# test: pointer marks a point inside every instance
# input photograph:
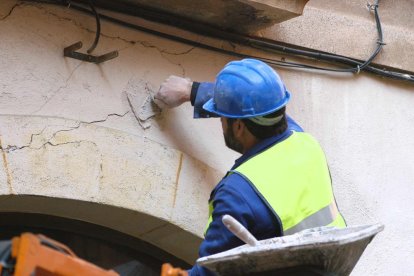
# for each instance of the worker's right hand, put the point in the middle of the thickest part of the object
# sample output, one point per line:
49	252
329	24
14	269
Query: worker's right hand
173	92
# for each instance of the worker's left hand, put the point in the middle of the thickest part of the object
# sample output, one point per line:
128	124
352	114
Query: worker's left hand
173	92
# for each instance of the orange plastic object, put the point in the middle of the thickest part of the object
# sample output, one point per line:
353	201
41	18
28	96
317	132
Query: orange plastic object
41	256
168	270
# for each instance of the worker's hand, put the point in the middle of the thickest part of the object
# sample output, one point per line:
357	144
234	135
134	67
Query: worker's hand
173	92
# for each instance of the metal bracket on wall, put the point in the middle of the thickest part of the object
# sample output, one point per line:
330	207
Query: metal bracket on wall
70	51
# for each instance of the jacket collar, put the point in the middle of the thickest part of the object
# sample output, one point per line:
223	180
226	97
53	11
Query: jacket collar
261	146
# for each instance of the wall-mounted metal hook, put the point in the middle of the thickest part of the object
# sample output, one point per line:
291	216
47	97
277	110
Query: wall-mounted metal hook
70	51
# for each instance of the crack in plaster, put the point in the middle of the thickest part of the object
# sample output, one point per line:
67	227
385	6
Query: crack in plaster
7	170
146	44
11	11
132	42
154	229
183	73
8	95
59	89
60	18
101	174
79	25
65	143
164	52
11	148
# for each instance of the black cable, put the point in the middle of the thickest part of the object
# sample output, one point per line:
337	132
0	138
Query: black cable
329	57
98	28
316	55
270	46
380	40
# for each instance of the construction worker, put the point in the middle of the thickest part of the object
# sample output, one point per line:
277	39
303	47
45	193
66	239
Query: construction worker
281	184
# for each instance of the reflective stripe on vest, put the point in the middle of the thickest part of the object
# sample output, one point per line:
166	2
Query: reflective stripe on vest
324	216
292	177
210	215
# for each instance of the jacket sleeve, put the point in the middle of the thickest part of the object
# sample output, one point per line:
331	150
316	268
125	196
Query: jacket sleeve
201	92
237	202
218	238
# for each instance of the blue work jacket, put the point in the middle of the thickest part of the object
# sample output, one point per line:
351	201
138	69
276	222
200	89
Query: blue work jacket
234	196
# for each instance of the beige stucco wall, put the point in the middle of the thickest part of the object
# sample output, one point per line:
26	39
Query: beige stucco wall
67	132
348	28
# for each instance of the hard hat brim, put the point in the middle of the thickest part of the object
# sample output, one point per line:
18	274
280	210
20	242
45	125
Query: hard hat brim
210	106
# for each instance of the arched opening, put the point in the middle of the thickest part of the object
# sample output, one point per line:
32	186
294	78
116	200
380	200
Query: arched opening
100	245
106	235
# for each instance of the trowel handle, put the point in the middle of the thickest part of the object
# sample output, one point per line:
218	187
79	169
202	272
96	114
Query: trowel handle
239	230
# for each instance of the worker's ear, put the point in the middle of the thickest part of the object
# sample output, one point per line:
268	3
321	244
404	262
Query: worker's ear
239	128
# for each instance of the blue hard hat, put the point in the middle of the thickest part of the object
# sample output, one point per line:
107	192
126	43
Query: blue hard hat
247	88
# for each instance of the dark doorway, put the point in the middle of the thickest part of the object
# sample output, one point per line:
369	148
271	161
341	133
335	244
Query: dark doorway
102	246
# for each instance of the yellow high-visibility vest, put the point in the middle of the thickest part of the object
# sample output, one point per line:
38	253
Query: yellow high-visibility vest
292	178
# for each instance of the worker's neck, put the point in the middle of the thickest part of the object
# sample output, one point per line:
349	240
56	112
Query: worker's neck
249	142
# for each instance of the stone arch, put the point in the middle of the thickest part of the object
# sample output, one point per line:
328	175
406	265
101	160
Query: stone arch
107	177
158	238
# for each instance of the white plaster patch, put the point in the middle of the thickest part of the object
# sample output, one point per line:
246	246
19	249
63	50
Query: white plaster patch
143	109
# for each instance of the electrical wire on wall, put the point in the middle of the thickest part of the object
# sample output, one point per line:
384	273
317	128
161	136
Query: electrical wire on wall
356	65
319	55
98	28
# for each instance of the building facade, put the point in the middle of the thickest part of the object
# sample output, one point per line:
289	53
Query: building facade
74	150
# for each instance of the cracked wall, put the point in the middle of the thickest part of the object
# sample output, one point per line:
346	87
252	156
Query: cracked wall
71	146
68	132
